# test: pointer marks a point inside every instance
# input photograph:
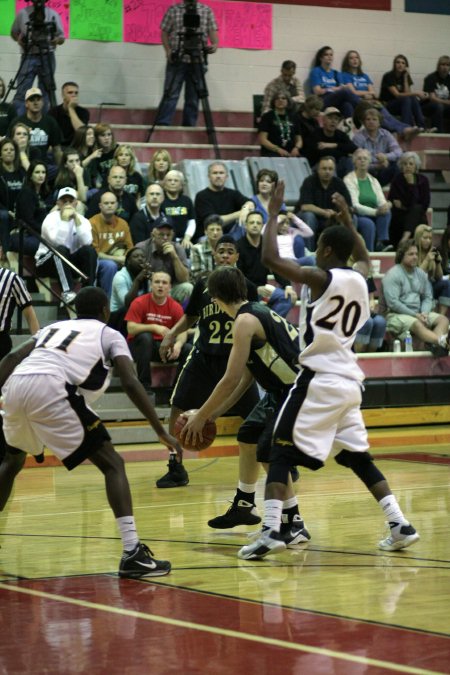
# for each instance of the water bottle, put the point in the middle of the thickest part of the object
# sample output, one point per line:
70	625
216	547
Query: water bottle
397	346
408	342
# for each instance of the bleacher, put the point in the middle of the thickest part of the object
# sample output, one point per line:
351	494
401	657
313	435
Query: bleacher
400	388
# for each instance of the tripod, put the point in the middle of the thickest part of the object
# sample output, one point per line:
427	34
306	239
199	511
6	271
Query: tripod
197	74
45	57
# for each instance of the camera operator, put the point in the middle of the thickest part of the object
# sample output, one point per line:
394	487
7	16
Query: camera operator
38	30
185	30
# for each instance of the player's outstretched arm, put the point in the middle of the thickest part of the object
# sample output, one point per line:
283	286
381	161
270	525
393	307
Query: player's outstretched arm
12	360
136	393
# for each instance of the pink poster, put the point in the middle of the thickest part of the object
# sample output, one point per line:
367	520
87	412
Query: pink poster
242	25
60	6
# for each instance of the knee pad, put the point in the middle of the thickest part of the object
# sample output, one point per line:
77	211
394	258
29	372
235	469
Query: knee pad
361	463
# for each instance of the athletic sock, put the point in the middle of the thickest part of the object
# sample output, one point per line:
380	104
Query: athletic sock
127	528
392	510
246	491
272	514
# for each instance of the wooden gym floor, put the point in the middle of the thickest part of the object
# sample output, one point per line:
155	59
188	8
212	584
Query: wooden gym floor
336	606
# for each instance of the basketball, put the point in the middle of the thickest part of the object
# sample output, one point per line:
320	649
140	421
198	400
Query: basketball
209	432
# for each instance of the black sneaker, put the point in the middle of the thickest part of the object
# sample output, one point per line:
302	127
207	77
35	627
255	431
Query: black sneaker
177	476
294	533
139	563
239	513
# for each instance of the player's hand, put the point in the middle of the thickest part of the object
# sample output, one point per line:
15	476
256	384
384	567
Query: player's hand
166	347
175	352
277	199
193	428
172	443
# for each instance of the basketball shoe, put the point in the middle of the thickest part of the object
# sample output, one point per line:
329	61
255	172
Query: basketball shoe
139	563
177	476
401	536
268	542
240	512
295	533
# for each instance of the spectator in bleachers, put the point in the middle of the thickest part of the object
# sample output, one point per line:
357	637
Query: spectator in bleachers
7	111
111	239
149	318
308	117
11	180
116	181
230	204
291	234
383	148
151	215
368	199
32	206
101	164
359	83
409	300
125	157
45	135
325	83
159	165
128	283
281	300
266	181
370	337
444	249
72	174
430	261
437	85
328	140
69	115
202	254
400	99
410	197
20	133
279	132
285	83
165	255
84	142
315	205
71	235
179	208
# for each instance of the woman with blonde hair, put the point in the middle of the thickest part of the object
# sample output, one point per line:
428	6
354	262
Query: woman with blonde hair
430	261
160	164
125	157
410	197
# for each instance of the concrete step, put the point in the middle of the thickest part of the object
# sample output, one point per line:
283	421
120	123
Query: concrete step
120	114
429	142
435	160
440	199
179	151
168	135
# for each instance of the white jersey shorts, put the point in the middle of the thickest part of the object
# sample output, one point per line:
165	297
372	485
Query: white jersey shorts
321	416
43	410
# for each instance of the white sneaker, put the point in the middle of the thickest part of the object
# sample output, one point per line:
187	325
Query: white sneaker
401	536
266	543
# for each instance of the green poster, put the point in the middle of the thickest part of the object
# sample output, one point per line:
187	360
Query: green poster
96	20
7	14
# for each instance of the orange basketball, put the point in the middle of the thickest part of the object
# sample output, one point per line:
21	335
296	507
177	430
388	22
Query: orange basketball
209	432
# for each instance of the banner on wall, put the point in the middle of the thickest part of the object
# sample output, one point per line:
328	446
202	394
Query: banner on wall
428	6
380	5
242	25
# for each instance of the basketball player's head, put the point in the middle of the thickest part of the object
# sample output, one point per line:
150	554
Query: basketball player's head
334	247
226	252
226	285
92	303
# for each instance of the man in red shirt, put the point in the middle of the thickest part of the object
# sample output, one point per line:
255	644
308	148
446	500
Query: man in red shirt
149	318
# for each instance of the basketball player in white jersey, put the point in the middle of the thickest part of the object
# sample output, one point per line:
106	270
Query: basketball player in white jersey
322	411
47	384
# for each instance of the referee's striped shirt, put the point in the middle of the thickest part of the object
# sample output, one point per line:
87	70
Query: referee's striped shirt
13	292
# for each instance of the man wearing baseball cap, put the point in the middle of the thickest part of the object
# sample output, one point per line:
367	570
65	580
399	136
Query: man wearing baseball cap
329	141
71	235
45	134
165	255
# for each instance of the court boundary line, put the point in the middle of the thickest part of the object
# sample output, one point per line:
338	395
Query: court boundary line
226	632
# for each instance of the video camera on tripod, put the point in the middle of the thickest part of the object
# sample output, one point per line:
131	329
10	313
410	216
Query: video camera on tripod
191	40
40	33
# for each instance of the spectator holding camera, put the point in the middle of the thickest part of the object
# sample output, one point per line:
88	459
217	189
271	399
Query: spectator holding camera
430	261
